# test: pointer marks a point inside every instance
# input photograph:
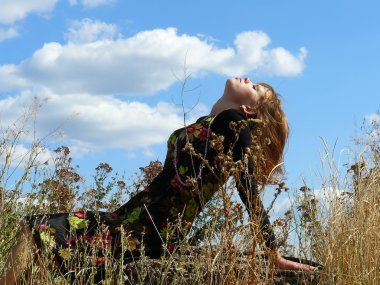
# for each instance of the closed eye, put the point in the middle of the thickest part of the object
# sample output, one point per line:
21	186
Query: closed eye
254	87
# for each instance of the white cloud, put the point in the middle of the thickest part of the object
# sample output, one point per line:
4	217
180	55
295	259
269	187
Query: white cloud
20	155
143	63
91	3
96	3
15	10
12	11
8	33
25	202
97	61
283	62
98	122
283	204
148	153
196	111
325	197
87	31
10	78
373	118
131	155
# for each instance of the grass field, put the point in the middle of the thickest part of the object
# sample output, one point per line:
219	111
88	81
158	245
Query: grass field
340	232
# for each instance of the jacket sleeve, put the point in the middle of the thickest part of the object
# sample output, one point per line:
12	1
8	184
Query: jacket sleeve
246	183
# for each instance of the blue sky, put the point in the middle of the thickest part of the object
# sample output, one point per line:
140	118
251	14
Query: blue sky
109	69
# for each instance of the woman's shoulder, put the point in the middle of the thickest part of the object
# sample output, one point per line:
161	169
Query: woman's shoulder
221	123
230	115
230	123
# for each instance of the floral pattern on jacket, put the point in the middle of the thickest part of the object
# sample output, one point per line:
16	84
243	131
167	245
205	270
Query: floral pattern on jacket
177	194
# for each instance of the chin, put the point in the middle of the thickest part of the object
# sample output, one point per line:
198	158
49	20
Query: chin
230	81
229	85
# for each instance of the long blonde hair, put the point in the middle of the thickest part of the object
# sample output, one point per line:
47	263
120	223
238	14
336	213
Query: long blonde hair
270	137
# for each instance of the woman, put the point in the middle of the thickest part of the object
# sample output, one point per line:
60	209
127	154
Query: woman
192	173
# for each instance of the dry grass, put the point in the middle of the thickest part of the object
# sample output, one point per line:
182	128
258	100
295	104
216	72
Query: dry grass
351	245
223	246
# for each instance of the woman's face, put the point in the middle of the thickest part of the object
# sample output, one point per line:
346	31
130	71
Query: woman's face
242	91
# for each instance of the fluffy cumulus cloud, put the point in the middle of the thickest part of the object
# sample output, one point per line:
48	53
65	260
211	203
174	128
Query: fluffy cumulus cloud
93	122
12	11
97	60
81	77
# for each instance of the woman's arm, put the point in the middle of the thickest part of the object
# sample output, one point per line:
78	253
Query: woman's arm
245	182
283	263
247	185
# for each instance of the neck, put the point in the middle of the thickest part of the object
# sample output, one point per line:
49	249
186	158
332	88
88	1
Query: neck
221	105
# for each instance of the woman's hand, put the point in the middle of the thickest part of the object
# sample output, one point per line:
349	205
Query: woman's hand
283	263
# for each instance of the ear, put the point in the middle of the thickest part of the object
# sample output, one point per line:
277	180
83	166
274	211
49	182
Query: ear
249	111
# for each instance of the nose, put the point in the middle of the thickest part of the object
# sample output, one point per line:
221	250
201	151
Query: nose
247	80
